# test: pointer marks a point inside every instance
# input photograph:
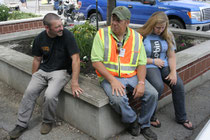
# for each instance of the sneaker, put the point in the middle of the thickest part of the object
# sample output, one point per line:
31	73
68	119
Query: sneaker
46	128
148	134
17	132
134	128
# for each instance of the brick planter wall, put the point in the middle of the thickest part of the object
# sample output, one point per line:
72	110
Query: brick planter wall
20	26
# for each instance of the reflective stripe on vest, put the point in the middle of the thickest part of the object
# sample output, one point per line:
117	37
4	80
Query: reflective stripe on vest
136	48
122	68
106	44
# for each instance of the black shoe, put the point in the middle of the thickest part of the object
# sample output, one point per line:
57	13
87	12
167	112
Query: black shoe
148	134
134	128
17	132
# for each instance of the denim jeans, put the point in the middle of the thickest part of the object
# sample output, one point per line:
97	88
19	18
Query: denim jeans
156	77
121	104
54	83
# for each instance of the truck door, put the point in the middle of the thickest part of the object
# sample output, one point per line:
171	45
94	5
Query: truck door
140	9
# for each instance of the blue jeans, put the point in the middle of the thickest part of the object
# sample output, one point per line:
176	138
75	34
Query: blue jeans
121	104
157	77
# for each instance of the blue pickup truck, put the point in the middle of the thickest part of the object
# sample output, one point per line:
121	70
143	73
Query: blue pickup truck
184	14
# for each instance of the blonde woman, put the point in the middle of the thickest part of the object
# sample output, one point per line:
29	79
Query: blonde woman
161	64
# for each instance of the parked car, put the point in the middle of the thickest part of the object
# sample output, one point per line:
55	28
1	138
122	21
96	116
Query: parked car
184	14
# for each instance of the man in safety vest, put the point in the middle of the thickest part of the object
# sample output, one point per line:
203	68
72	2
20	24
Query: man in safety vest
119	57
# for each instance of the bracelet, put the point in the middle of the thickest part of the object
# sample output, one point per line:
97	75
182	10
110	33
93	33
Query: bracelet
153	61
141	82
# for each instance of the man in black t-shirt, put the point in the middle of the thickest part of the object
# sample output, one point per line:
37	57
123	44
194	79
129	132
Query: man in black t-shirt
56	57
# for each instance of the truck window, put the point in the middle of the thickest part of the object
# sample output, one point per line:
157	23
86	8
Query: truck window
124	0
132	0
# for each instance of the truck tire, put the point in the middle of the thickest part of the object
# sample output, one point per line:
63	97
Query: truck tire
92	17
175	23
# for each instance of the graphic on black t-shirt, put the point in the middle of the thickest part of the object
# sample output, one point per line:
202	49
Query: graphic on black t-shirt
156	48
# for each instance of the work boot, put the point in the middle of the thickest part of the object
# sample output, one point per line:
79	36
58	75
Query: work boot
134	128
148	134
17	132
46	128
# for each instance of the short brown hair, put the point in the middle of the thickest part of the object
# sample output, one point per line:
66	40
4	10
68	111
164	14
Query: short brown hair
49	17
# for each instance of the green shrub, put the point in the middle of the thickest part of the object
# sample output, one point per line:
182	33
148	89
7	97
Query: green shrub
84	35
20	15
4	12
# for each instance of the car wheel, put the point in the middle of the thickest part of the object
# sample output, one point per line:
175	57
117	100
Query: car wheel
92	17
175	23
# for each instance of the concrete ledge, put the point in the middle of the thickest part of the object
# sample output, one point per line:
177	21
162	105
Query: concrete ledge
92	108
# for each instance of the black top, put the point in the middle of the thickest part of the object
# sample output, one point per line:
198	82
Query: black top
55	52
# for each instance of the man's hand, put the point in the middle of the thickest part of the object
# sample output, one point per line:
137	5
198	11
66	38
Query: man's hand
138	91
76	90
172	78
158	62
117	87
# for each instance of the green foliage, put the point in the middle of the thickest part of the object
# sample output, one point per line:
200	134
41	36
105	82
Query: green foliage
4	12
20	15
84	35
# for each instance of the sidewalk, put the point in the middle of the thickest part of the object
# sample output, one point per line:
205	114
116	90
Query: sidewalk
35	6
197	105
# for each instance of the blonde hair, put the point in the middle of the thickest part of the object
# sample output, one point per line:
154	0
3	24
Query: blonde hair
158	18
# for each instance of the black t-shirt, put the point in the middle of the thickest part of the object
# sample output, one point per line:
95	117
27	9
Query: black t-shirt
55	52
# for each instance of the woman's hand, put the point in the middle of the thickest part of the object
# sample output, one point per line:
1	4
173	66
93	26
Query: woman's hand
158	62
172	78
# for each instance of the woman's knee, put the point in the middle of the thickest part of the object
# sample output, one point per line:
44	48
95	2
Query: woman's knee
179	87
159	87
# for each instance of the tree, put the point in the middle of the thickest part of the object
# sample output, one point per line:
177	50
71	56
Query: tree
111	4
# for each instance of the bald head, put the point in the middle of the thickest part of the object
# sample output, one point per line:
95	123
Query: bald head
49	17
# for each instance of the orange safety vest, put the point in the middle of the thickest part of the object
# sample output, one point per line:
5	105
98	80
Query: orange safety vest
116	65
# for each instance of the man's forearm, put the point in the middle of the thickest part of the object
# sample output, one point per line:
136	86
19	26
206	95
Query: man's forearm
75	68
36	64
141	72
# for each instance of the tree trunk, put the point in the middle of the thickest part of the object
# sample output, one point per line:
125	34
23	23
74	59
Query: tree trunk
111	4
